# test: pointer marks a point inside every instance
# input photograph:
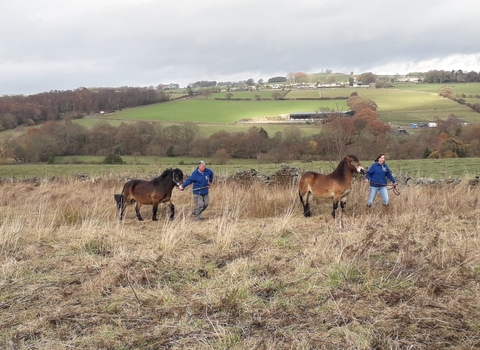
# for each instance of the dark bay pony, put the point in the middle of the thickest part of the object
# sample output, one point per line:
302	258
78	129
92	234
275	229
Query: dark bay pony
153	192
336	185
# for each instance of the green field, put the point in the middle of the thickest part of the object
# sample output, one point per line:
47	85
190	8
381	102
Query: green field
202	110
401	105
464	168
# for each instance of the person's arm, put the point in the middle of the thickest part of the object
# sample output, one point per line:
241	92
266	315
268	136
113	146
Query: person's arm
390	176
186	183
368	175
210	180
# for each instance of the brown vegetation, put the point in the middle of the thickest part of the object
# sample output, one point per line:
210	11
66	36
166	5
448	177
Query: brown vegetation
255	274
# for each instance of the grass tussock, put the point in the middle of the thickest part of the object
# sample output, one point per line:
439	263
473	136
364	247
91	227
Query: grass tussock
255	274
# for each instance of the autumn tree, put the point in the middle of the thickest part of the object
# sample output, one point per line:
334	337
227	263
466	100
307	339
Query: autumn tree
297	77
221	157
446	92
221	140
189	132
367	78
276	96
206	92
331	78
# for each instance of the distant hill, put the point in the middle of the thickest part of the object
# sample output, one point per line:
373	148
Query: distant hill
322	77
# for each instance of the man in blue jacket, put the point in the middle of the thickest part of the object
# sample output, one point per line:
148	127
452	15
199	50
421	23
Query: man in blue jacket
202	178
377	176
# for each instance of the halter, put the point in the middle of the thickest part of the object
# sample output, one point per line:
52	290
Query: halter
174	180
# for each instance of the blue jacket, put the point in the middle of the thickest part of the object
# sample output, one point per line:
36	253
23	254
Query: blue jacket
200	181
377	174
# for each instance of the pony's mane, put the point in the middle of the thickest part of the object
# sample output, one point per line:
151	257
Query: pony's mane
338	172
165	173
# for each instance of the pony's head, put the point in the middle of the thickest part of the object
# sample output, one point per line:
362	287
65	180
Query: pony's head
177	176
355	164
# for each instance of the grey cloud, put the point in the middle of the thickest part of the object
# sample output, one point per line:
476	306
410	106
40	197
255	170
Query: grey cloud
63	45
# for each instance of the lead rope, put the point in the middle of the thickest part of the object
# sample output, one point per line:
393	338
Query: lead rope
389	187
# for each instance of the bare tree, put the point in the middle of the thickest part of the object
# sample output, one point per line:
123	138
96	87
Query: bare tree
342	131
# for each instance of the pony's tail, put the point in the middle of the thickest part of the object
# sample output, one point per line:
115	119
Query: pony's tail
119	200
301	198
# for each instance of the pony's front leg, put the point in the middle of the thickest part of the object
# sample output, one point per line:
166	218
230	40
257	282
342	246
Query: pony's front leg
335	207
343	204
137	211
172	211
154	211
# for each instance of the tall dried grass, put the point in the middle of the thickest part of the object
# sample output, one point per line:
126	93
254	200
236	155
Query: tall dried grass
255	274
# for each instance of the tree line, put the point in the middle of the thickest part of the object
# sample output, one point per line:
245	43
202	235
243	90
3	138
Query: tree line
454	76
55	105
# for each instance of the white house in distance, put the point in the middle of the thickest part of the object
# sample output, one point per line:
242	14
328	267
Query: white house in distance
171	86
408	79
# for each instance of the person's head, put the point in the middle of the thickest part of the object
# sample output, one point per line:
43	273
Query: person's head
380	158
201	165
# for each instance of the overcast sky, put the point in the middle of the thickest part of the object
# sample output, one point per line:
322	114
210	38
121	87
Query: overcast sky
62	45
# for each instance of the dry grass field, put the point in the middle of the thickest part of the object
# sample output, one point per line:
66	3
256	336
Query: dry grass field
255	274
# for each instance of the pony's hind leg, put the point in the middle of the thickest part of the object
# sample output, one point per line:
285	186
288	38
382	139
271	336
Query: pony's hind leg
122	206
306	205
137	211
122	210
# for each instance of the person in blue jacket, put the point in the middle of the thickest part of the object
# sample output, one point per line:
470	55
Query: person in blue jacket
202	179
377	176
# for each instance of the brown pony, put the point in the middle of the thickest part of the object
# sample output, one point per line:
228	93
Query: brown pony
153	192
336	185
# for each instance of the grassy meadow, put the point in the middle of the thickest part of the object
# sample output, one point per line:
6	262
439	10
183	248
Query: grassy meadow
255	274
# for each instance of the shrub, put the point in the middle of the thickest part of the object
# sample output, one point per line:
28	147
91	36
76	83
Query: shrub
113	159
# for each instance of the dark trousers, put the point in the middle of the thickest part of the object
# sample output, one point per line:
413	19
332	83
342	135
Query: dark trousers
201	203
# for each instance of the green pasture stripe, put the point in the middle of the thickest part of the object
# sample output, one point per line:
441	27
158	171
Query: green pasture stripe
207	129
266	94
209	110
464	168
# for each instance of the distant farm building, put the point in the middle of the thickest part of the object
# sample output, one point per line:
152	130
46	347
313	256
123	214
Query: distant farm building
311	116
